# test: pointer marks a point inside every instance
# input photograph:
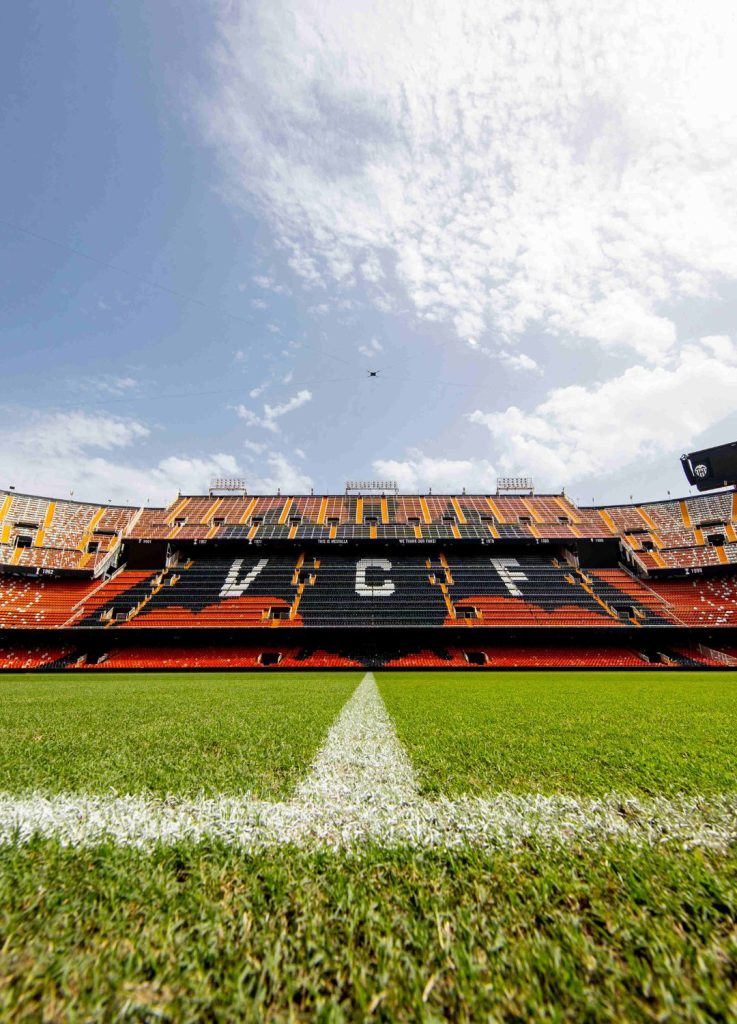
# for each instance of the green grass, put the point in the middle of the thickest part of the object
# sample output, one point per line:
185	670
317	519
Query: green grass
210	933
168	733
587	733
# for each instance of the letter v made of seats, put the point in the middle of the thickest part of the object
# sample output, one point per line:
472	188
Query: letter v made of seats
235	587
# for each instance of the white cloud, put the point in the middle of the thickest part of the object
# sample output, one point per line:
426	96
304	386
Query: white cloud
419	472
109	384
280	474
580	432
70	433
55	453
259	304
268	283
519	361
277	472
371	269
258	390
571	164
372	349
272	413
275	411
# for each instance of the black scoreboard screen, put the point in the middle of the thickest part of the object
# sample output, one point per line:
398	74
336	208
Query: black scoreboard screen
712	467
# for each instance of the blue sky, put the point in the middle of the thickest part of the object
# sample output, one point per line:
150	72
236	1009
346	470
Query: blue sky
216	217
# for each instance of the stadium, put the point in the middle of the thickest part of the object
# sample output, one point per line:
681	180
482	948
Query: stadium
368	579
368	648
201	768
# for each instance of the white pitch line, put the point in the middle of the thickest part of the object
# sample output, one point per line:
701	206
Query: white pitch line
504	821
361	789
362	761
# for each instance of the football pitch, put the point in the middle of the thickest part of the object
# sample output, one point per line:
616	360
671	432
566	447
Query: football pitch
348	846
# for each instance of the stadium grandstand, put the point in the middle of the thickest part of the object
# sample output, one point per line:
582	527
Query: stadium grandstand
368	578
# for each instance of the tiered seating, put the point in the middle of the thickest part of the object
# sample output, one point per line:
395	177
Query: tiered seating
229	657
69	524
709	508
352	517
688	558
39	558
425	658
216	593
529	591
682	533
33	602
56	530
592	523
701	602
339	589
150	525
562	657
670	525
115	519
361	590
695	656
19	657
342	589
510	656
721	654
23	509
44	533
622	588
118	598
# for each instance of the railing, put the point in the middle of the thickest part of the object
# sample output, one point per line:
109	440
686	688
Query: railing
103	565
720	656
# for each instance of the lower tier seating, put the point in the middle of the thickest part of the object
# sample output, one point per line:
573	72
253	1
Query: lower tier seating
244	657
42	656
21	657
518	656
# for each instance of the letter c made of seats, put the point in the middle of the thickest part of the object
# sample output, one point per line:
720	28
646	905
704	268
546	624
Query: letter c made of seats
363	589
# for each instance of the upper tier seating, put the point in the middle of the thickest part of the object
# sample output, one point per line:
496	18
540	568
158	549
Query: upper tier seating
676	534
43	533
408	517
47	535
682	532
